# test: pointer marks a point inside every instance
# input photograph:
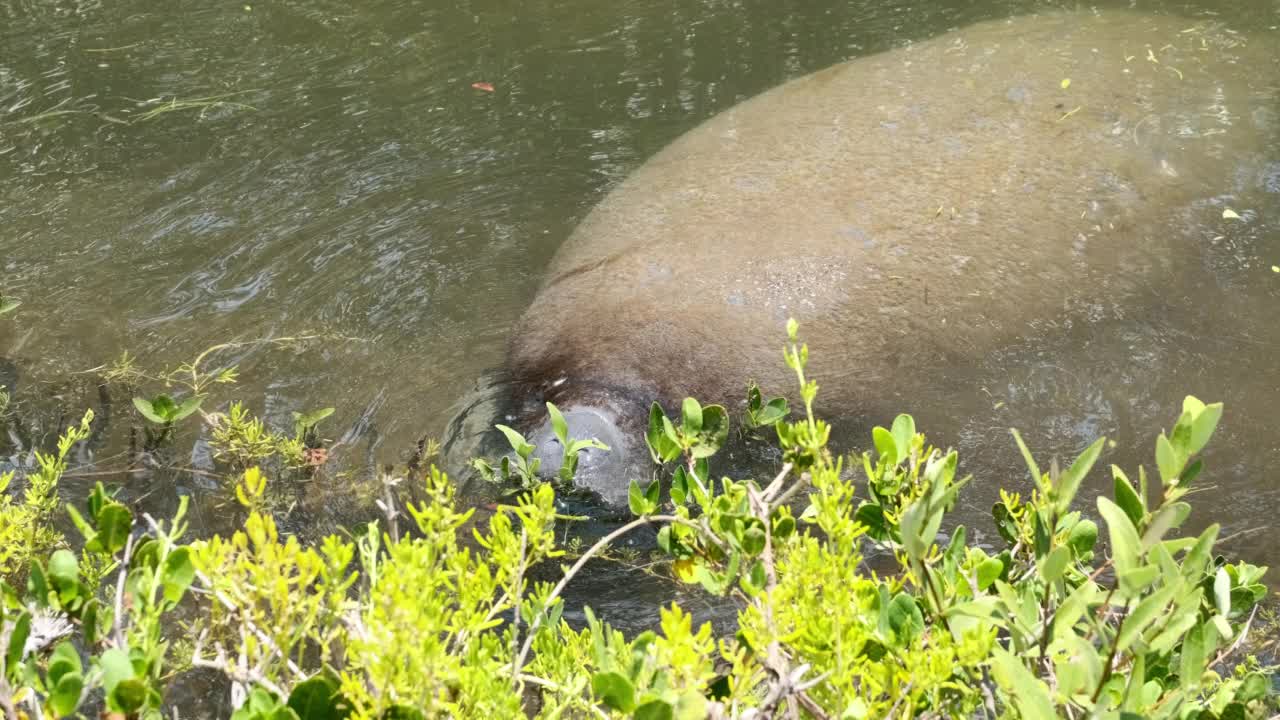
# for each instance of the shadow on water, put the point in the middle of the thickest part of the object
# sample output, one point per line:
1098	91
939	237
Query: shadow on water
178	174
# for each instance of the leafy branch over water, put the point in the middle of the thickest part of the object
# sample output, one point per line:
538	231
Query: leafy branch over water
428	624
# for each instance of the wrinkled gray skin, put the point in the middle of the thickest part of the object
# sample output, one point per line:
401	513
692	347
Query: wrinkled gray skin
918	207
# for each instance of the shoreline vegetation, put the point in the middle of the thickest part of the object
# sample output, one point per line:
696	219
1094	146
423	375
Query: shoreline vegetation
1056	607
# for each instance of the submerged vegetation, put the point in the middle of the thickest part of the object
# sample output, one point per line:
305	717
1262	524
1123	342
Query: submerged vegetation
430	613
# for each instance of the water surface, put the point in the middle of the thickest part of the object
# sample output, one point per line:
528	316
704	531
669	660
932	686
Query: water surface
178	174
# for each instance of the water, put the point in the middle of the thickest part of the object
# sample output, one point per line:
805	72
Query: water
348	179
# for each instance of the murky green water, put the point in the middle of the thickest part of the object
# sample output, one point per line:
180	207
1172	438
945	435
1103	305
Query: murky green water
348	179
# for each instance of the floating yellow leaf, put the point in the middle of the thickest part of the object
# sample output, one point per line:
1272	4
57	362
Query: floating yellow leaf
1275	268
1066	83
1230	214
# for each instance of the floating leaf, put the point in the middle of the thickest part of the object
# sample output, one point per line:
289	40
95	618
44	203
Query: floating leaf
1066	83
1229	214
148	410
487	87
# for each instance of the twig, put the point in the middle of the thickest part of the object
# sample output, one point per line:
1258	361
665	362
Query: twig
1244	632
118	617
540	682
902	696
515	603
564	581
243	676
6	696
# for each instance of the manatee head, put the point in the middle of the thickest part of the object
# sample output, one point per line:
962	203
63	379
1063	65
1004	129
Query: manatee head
590	412
608	473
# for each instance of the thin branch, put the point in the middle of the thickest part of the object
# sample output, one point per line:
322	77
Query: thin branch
118	617
1244	632
564	581
220	663
540	682
515	596
6	697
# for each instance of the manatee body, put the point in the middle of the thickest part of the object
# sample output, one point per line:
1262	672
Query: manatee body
911	209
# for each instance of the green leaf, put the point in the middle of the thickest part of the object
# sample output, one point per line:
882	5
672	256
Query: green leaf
651	495
661	448
1222	591
64	659
8	304
21	630
692	412
402	712
904	430
1255	687
1006	525
872	518
1125	544
1203	426
558	424
988	571
64	697
1032	467
516	441
188	406
64	570
905	618
654	710
1069	482
1136	579
1030	695
715	431
614	690
128	696
1167	460
1055	564
753	540
178	574
1146	612
1127	498
1195	652
679	486
1083	536
148	411
1166	518
89	617
664	539
776	410
116	668
114	523
318	698
886	447
38	584
302	421
637	501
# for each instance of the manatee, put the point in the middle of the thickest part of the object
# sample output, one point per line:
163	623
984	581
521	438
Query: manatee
913	209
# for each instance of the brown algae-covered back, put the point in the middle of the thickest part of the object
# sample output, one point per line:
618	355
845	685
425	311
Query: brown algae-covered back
931	201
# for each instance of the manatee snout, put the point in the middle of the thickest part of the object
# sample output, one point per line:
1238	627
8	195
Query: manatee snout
605	472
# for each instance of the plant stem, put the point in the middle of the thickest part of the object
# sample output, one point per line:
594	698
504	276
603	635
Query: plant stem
564	581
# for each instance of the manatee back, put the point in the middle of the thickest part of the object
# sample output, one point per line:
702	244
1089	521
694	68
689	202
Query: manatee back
928	202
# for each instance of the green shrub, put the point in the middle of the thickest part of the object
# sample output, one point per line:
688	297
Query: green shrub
423	624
